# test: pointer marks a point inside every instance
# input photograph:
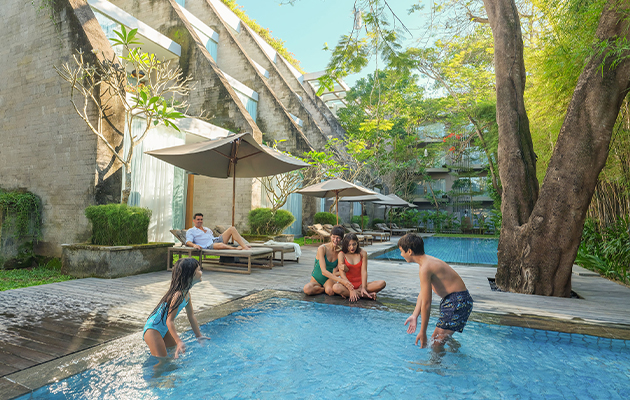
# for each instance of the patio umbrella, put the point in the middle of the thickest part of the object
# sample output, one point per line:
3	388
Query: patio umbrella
218	158
362	199
394	201
333	188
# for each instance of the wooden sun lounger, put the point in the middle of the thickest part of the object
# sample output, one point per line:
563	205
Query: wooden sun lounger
278	248
382	236
256	253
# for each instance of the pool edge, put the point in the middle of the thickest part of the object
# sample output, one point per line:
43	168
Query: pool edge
64	367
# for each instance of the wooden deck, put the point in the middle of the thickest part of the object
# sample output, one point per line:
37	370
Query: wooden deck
42	323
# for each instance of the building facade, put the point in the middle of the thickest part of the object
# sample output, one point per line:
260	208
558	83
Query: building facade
241	84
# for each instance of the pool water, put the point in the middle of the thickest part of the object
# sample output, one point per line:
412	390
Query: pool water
288	349
455	250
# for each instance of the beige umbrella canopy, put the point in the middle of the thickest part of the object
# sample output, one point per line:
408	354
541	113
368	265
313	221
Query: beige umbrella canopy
394	201
333	188
376	197
233	156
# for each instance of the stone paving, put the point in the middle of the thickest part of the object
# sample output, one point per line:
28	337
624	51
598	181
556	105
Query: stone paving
43	323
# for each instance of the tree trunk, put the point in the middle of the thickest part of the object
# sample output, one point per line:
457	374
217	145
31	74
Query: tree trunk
127	185
538	245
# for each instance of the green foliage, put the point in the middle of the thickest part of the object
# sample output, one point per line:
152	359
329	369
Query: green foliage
606	249
562	45
118	224
265	33
325	218
356	219
19	278
377	221
263	221
22	209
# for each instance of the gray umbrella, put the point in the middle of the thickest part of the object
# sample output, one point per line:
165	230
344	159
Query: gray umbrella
219	158
333	188
376	197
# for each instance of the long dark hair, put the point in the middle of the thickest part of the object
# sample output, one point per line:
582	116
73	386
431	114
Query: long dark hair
346	242
181	281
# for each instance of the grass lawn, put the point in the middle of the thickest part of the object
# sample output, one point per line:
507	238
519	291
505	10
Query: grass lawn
19	278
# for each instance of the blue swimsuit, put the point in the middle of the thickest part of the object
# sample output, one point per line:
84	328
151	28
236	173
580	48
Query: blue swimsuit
157	320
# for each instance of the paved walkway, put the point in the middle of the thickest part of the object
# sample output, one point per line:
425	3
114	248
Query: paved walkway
42	323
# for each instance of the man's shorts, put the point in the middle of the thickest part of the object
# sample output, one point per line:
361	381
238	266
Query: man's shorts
455	309
216	240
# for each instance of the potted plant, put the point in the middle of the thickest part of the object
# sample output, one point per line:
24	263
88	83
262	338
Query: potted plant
118	246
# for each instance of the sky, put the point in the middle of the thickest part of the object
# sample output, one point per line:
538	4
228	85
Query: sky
308	24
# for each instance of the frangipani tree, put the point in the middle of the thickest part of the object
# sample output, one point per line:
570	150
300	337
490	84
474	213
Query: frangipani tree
99	85
278	188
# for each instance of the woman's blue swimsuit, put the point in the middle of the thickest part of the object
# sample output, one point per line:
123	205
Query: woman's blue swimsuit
157	320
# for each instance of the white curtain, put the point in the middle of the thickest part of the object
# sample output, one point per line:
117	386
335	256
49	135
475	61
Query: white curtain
155	184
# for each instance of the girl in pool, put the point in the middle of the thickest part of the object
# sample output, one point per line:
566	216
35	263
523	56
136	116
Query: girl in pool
353	267
159	331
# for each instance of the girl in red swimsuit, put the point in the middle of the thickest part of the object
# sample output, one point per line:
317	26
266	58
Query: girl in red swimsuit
353	267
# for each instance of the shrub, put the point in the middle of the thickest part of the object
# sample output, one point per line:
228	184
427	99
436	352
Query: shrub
262	221
357	220
20	224
606	249
118	224
377	221
325	218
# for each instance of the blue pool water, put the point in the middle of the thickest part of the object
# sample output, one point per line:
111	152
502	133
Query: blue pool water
287	349
455	250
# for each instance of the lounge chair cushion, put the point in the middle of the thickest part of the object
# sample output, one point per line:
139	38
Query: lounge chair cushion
255	251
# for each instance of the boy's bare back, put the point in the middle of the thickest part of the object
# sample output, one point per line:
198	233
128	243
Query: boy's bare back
444	279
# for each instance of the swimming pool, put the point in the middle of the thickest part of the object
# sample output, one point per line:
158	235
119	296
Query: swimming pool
455	250
288	349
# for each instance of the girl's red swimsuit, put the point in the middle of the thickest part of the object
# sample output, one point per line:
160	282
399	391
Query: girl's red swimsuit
354	272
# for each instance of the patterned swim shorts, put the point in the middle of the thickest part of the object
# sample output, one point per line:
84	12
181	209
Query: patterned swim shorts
455	309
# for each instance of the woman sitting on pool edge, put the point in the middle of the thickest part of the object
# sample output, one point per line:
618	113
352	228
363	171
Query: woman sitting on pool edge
325	273
352	264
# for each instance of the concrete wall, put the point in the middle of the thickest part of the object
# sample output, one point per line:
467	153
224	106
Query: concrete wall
45	147
273	118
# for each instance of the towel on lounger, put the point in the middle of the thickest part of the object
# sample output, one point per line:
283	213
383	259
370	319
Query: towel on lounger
296	247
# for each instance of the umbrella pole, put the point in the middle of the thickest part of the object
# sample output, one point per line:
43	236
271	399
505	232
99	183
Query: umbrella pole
233	196
361	215
337	205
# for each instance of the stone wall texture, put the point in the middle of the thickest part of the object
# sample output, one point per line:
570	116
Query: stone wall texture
45	147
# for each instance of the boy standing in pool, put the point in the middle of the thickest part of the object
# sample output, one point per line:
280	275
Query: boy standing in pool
438	276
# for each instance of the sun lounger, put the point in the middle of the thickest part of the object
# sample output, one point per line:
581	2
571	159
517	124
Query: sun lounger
259	253
320	233
256	253
392	230
403	229
279	250
363	239
380	235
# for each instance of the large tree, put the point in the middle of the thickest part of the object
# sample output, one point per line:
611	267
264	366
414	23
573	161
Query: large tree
541	231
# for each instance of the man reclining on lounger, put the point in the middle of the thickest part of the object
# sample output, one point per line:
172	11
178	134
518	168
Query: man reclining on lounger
201	237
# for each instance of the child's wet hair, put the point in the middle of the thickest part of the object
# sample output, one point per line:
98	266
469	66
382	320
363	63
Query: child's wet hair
338	230
181	281
413	242
346	242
